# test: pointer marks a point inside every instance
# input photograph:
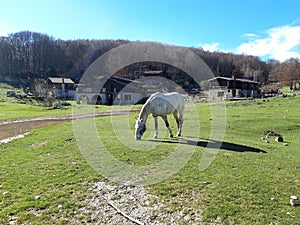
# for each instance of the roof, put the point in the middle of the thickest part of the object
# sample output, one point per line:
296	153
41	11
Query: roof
60	80
237	79
120	80
153	72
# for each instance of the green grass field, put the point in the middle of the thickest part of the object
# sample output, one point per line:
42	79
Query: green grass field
44	178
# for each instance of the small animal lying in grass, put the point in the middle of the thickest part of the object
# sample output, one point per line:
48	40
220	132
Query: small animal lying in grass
294	201
269	133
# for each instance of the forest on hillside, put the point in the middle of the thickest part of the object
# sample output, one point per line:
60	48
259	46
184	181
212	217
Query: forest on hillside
26	56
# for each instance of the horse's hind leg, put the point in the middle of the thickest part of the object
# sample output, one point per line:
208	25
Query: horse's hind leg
167	125
180	124
155	126
175	114
178	121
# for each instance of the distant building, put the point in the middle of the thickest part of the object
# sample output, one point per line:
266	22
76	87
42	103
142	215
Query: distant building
61	87
110	90
232	87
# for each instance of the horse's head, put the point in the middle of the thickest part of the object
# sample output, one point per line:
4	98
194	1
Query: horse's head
140	128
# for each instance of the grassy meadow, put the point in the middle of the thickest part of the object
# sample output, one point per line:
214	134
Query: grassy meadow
44	177
12	108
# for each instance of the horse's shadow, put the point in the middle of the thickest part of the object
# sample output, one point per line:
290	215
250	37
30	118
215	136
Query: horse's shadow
208	143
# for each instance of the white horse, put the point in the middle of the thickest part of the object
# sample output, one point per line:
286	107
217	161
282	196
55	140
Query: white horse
159	104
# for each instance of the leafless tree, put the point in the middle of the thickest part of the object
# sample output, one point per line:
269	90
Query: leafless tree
287	73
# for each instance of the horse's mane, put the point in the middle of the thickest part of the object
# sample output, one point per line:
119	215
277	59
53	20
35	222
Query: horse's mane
144	111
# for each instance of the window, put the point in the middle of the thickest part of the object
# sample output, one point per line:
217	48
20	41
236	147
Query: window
127	97
220	93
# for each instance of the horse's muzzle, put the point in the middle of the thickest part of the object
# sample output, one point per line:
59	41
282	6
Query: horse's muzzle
138	138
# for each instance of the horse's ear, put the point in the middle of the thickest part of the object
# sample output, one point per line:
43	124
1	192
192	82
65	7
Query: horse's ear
136	118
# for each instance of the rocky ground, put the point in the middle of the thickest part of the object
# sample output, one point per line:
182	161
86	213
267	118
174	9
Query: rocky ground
128	204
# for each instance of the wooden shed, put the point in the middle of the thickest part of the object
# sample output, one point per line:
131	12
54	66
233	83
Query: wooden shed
232	87
61	87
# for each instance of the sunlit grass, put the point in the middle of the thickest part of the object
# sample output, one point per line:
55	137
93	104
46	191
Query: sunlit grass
45	178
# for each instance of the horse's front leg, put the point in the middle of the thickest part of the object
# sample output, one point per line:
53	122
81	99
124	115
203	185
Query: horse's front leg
167	125
155	126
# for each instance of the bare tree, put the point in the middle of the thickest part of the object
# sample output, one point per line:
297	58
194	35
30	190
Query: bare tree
40	88
287	73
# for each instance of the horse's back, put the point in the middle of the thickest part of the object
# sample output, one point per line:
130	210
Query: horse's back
168	96
176	99
166	103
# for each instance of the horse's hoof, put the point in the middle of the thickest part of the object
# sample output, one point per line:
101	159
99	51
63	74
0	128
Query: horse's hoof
171	135
155	137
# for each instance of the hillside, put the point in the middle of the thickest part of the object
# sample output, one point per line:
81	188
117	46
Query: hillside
26	56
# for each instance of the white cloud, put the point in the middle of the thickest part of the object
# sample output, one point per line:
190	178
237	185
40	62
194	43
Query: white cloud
214	47
3	34
211	47
280	43
250	35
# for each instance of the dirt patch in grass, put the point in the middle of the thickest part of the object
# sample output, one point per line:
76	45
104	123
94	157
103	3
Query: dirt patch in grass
114	204
14	128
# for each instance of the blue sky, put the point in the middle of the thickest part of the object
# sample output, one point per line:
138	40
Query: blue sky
264	28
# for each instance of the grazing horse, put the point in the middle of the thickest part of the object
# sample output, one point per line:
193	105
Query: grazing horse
161	104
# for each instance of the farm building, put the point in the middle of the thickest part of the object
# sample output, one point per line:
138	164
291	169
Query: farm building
61	87
232	87
120	91
110	90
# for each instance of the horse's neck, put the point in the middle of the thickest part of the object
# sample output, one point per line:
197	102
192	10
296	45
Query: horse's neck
145	111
